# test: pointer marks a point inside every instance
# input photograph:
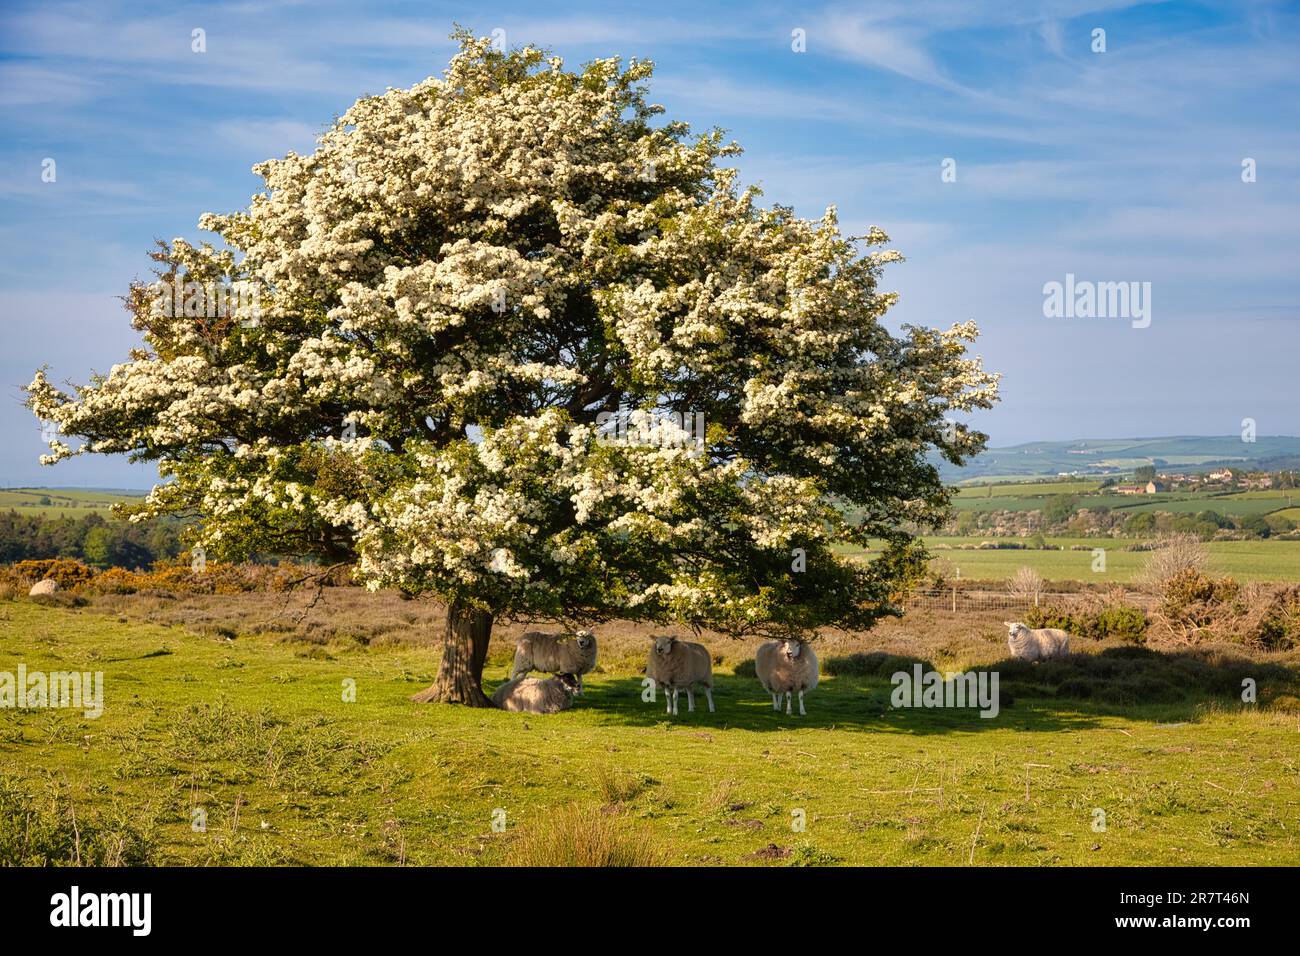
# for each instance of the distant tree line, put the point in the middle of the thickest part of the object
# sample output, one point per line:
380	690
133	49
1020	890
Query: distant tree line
1070	514
92	538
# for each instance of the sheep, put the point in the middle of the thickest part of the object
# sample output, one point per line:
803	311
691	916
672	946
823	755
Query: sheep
555	654
534	695
1028	644
786	667
679	665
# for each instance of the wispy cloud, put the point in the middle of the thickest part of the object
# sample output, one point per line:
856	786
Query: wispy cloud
1122	165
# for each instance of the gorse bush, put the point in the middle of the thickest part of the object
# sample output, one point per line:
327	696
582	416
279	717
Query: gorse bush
179	576
1109	620
1196	608
1123	621
68	574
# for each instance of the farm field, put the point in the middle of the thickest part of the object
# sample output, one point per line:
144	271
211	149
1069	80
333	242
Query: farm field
251	729
1046	460
72	502
1021	489
1233	505
1258	560
1239	505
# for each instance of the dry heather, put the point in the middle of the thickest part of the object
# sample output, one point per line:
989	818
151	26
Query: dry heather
344	616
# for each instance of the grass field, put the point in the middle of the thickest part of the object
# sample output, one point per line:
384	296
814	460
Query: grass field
1021	489
252	730
1258	560
72	502
1237	505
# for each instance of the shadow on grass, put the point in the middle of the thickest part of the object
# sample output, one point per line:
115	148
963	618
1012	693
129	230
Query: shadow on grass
844	703
1074	693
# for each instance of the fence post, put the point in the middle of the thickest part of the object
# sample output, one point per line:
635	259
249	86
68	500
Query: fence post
954	599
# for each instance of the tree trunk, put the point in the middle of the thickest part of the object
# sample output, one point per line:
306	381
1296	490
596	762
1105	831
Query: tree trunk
464	649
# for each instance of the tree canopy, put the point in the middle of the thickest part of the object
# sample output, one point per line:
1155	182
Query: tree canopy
433	317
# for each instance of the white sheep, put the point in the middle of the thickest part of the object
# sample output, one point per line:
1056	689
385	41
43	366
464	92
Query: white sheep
679	665
1028	644
786	667
555	654
535	695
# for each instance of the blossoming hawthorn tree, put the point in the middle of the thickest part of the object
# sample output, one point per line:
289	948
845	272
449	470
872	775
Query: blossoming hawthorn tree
455	286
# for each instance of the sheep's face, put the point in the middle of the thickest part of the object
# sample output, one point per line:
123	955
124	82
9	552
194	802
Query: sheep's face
792	649
569	682
664	645
1015	631
586	639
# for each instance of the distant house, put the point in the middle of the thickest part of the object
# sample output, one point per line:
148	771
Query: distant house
1129	490
1153	487
1224	474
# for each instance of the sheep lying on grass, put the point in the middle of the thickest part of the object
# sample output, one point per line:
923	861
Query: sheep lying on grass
533	695
555	654
1028	644
679	665
786	667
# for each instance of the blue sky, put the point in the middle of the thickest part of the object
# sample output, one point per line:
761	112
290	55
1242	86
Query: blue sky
1124	165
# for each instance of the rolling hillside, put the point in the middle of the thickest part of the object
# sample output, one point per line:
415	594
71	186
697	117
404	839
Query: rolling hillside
1120	455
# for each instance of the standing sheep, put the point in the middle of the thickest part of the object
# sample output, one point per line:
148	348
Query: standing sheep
679	665
555	654
786	667
533	695
1028	644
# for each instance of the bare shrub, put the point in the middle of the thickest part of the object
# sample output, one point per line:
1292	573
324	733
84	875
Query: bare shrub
940	572
1025	583
1173	555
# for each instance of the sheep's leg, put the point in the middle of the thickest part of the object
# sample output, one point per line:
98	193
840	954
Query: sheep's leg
675	693
788	700
776	701
690	700
802	712
579	685
708	693
668	697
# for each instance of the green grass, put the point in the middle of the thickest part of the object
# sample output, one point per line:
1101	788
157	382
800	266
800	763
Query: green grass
1233	505
256	733
1237	505
72	502
1258	560
1025	488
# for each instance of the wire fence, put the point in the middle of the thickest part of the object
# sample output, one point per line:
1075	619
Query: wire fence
959	600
